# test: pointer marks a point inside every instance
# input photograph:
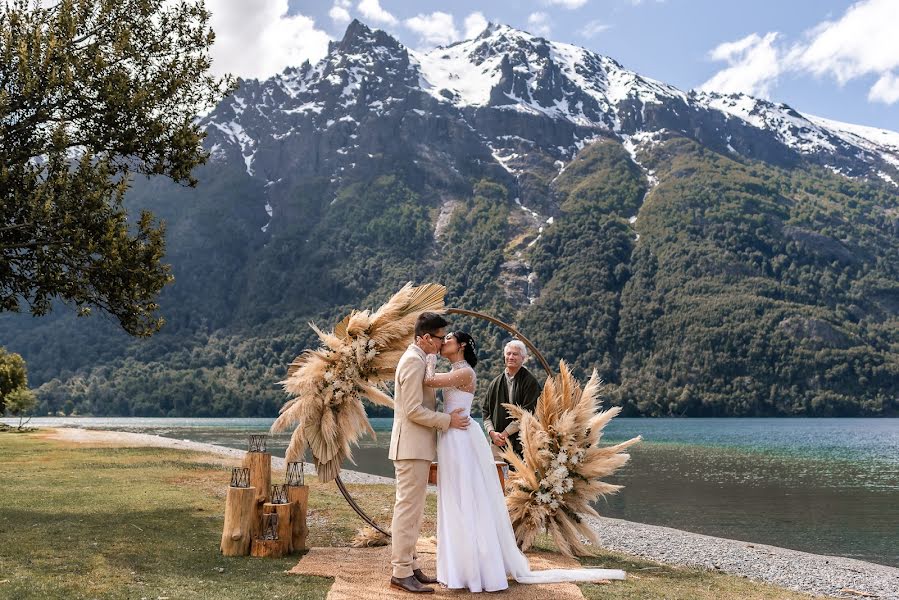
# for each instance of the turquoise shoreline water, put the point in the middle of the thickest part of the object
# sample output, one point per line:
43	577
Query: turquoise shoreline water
829	486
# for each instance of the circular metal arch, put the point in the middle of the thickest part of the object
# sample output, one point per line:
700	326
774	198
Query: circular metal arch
453	311
507	327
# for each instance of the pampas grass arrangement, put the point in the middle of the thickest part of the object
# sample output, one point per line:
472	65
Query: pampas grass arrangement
369	537
558	474
356	361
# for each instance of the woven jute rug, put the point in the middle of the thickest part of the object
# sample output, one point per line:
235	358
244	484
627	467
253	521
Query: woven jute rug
364	573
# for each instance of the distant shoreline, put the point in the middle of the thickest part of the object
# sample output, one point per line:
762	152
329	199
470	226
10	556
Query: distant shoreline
793	569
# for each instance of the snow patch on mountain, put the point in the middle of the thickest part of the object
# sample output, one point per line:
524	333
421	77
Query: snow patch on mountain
633	143
450	75
549	78
881	141
793	129
235	133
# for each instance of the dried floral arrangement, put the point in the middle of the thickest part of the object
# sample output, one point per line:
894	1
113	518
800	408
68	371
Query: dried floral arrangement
356	361
557	476
369	537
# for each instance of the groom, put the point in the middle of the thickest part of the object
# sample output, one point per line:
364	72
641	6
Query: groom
413	445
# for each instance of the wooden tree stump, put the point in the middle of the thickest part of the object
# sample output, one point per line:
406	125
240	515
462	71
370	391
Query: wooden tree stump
267	548
285	527
260	465
299	500
241	523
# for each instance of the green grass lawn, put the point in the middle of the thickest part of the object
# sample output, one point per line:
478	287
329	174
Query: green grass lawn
85	522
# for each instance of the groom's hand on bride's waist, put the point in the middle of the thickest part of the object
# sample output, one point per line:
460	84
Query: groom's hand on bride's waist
458	420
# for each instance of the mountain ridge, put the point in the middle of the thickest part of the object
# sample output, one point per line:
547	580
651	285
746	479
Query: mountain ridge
593	92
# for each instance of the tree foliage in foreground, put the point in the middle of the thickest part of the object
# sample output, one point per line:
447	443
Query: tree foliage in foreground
91	92
13	379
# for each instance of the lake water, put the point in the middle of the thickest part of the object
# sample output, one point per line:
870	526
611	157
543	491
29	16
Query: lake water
829	486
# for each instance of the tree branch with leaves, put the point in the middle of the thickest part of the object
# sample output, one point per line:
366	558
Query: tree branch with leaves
93	92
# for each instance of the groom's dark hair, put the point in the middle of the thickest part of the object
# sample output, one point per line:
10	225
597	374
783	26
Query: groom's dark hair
429	322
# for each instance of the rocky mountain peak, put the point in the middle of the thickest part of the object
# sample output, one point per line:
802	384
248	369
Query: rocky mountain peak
361	39
507	87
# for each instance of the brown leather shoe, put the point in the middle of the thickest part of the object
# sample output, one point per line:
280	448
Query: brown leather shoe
410	584
422	578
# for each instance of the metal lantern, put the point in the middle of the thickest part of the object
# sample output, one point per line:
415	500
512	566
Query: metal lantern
240	477
296	473
270	527
258	442
279	494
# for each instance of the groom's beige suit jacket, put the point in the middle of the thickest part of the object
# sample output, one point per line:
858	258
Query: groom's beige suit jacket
415	420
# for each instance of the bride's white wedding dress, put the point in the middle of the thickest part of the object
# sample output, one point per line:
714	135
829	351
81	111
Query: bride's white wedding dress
476	547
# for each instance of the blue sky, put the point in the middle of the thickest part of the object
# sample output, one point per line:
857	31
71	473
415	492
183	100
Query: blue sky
834	59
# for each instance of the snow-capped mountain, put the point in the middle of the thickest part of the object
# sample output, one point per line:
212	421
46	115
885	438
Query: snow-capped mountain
507	104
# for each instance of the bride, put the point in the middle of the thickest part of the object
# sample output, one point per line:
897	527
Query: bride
476	546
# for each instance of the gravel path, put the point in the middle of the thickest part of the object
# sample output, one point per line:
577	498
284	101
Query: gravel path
812	573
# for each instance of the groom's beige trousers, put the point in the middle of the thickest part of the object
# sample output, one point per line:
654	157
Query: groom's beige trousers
413	445
408	512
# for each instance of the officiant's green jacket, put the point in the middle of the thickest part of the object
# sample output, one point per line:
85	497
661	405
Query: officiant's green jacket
525	391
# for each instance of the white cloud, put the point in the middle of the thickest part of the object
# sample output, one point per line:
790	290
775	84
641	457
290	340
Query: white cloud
257	38
593	28
371	9
436	28
339	13
864	41
538	23
861	43
569	4
886	89
475	23
753	66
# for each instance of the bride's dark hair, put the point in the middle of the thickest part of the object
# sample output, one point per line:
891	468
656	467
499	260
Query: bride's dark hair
468	352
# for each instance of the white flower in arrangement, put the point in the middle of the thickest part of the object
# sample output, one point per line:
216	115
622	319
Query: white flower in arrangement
373	352
544	498
562	458
567	484
329	376
554	504
560	472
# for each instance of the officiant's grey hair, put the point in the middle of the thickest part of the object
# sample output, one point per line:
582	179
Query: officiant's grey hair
517	344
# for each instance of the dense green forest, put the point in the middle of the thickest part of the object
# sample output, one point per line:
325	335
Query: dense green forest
741	288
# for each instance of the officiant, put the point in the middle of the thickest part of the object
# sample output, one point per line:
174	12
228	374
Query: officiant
515	385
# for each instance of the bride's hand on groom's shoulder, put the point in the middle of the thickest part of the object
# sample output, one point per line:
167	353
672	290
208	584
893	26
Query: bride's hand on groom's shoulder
458	420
